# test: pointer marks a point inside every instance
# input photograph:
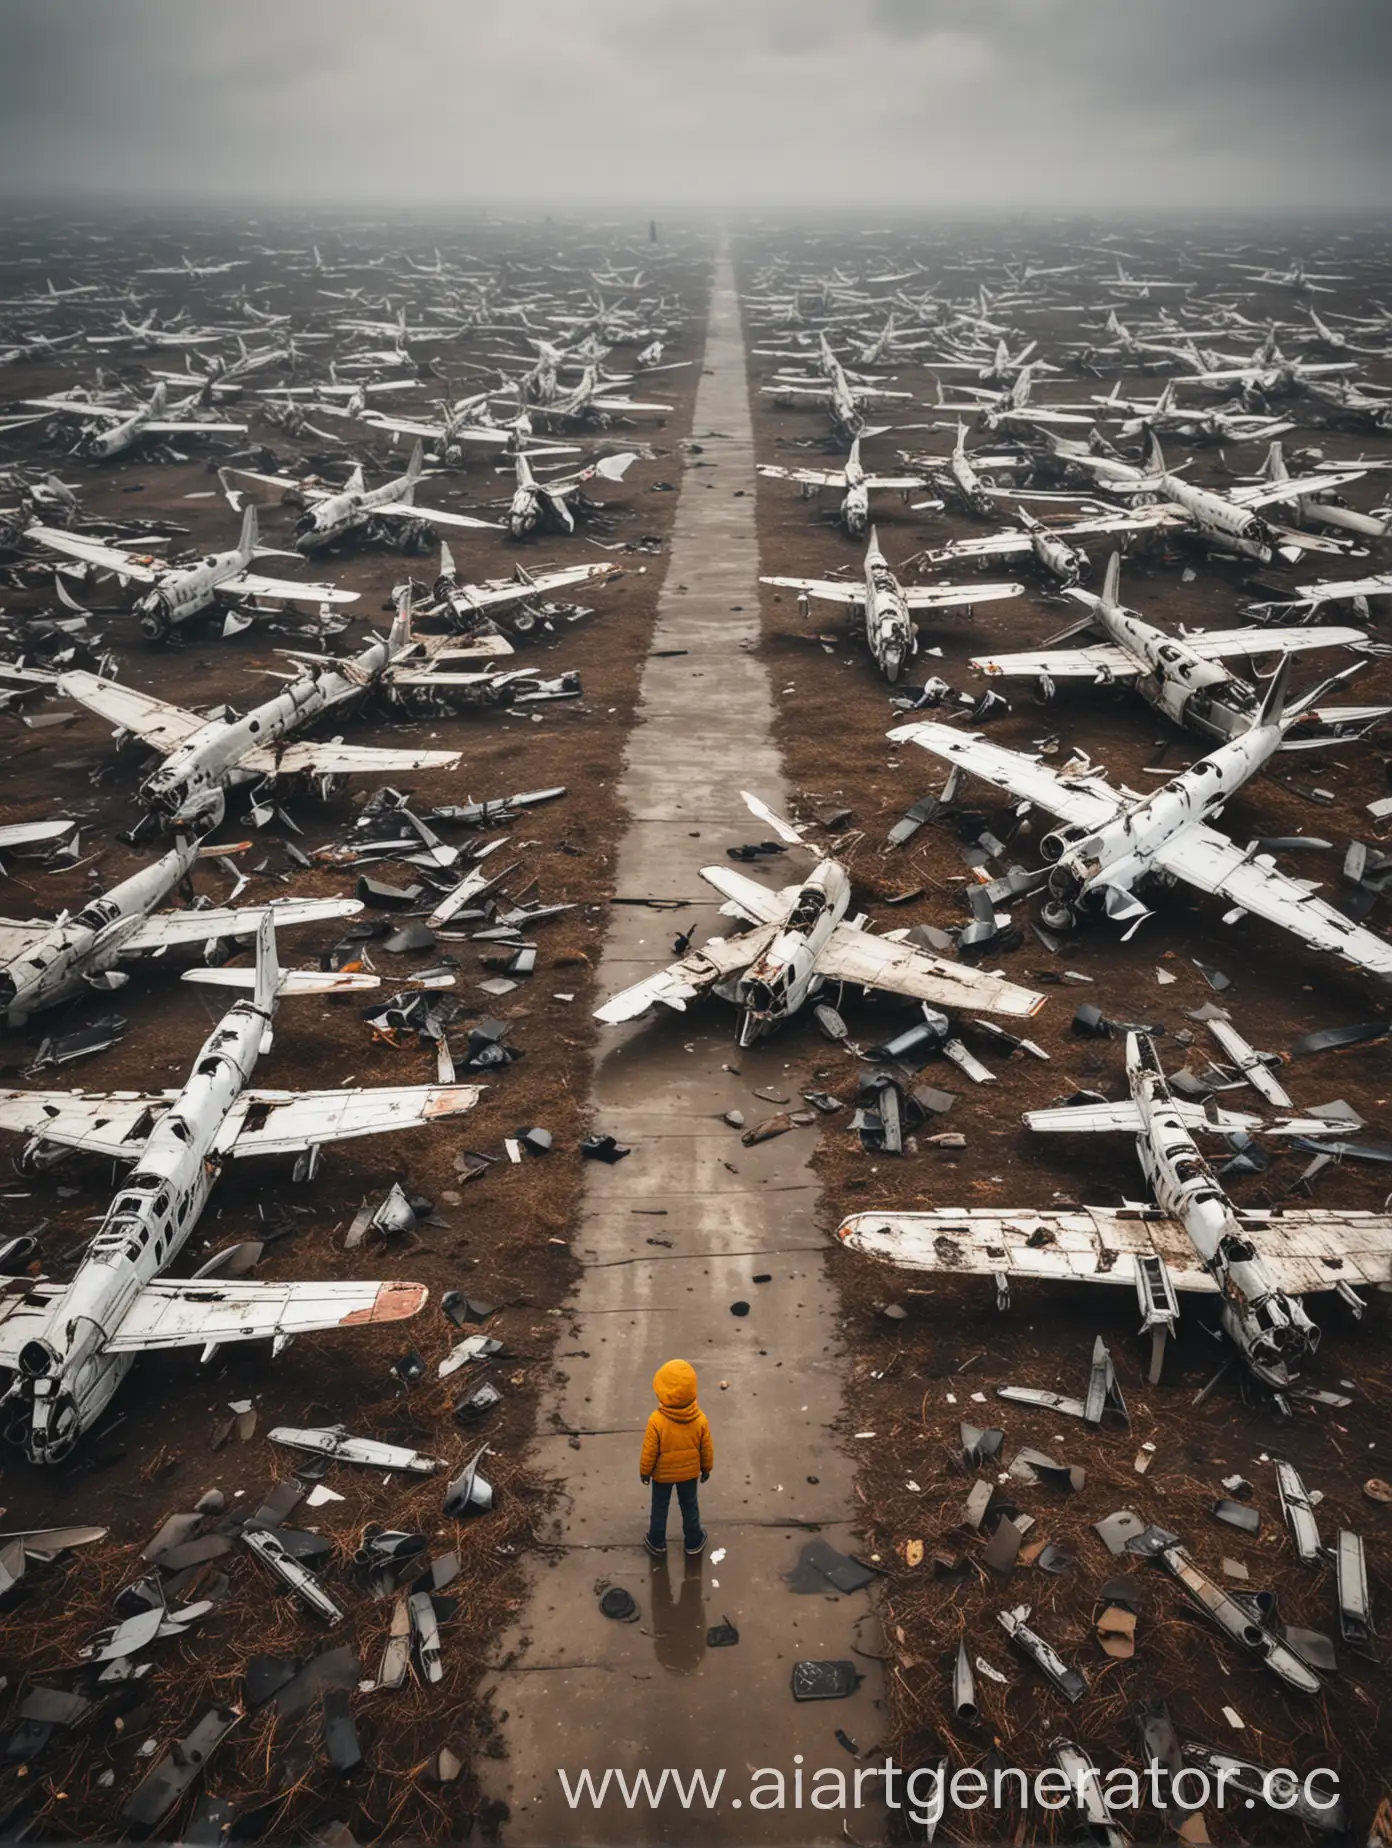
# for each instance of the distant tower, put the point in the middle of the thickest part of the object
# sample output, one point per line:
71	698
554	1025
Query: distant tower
652	230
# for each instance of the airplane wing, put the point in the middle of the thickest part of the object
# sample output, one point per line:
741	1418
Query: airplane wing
169	1312
749	899
905	483
1306	1249
949	596
115	1123
1209	860
1124	1117
284	1122
1267	492
991	545
1329	591
154	721
1213	644
192	429
330	759
814	477
499	593
93	552
252	584
627	404
716	961
829	592
851	954
404	510
1102	662
1085	800
75	408
170	927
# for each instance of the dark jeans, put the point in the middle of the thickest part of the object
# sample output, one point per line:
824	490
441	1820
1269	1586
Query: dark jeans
691	1514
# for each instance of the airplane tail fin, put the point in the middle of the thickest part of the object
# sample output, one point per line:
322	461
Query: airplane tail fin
246	545
1274	467
1155	456
446	560
267	975
1274	699
1111	584
400	638
1304	701
416	464
158	397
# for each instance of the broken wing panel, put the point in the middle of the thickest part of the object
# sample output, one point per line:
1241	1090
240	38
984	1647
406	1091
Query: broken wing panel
1312	1248
1088	1245
854	955
154	721
16	937
715	961
159	932
1213	863
1088	802
169	1313
1104	662
824	588
115	1123
329	759
284	1122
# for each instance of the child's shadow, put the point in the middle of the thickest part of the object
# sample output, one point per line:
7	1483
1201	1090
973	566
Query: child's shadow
678	1624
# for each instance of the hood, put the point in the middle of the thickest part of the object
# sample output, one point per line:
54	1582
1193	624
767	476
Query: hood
675	1386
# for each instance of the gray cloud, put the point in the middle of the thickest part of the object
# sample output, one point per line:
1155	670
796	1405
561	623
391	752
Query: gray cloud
872	104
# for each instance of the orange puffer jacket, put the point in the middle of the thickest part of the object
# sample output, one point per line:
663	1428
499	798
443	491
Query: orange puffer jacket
677	1443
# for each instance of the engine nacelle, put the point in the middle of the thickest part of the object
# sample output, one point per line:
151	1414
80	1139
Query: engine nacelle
156	616
1060	841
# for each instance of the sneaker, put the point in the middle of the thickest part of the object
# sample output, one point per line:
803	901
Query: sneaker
695	1552
658	1552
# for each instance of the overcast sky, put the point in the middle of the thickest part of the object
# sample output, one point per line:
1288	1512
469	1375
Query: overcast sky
867	104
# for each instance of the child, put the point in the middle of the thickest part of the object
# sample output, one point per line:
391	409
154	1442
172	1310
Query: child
676	1450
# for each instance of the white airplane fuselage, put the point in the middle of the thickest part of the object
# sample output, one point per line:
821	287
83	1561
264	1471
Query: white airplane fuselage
65	1378
889	628
189	786
1270	1329
1175	680
178	595
969	484
777	983
1100	866
89	942
338	515
102	445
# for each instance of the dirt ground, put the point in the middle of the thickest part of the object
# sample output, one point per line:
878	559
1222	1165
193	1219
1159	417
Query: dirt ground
937	1360
502	1238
